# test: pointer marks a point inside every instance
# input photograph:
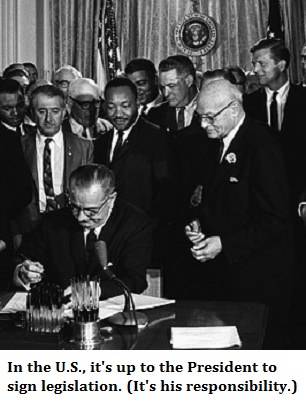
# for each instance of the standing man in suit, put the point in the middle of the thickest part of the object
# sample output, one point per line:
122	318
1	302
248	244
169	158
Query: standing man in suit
177	80
135	150
243	251
143	74
63	244
84	98
51	155
282	105
12	108
15	183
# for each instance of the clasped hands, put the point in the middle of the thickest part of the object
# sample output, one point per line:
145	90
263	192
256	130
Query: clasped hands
203	248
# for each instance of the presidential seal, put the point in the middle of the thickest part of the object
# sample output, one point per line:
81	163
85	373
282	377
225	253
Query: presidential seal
196	35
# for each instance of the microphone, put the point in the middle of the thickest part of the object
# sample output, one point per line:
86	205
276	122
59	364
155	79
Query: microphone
129	316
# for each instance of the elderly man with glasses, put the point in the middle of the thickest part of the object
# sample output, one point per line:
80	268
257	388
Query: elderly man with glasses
240	241
63	245
83	104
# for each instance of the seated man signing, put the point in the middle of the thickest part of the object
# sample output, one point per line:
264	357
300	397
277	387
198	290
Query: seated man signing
63	245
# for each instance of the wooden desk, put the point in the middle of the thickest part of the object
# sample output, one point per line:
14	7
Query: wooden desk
250	319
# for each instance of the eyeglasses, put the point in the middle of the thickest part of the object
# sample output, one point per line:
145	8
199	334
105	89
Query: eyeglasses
89	212
85	105
210	119
62	83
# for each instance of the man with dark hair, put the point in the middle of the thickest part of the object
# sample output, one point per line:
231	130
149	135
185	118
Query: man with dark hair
12	107
21	76
50	154
60	247
177	80
143	74
135	150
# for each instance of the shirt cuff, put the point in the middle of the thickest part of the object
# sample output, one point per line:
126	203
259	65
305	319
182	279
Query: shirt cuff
18	280
301	205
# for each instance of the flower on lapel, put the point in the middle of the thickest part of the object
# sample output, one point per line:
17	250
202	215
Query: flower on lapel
231	158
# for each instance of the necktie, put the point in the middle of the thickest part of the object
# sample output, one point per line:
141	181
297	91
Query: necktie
143	111
181	118
91	239
119	144
47	176
220	152
273	112
84	134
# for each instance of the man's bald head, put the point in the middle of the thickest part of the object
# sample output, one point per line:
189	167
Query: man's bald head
220	107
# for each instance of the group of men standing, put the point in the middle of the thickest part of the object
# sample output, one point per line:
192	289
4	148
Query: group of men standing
218	173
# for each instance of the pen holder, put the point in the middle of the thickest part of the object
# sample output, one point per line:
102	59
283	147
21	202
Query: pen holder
85	295
45	311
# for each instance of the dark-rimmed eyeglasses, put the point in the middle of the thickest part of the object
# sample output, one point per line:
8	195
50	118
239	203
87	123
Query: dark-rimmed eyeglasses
89	212
210	119
85	105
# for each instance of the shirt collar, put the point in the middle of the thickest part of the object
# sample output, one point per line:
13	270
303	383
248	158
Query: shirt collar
12	128
57	138
231	135
192	104
282	92
76	127
98	229
126	132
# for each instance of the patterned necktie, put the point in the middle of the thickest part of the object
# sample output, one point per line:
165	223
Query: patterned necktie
47	175
91	239
119	144
181	118
273	112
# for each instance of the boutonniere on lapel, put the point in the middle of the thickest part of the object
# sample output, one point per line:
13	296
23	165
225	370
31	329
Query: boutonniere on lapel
231	158
196	197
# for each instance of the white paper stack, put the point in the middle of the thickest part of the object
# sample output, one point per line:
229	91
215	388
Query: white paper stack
214	337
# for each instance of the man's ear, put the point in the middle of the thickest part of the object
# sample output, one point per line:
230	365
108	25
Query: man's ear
189	80
282	65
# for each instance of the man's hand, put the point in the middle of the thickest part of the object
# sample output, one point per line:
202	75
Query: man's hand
302	212
29	272
207	249
193	232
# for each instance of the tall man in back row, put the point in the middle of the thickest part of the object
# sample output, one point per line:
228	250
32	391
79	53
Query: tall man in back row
177	80
244	249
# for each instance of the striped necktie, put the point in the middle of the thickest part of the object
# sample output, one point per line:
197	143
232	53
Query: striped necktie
47	177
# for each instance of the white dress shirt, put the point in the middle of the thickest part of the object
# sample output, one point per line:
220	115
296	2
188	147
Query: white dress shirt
57	165
188	111
230	137
281	98
124	138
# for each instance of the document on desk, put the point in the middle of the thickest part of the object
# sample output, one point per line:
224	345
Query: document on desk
214	337
16	303
116	304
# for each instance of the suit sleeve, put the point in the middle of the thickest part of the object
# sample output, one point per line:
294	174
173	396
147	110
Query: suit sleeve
268	207
133	260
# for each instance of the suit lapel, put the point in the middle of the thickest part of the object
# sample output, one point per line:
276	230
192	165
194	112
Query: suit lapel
68	156
132	138
223	169
30	154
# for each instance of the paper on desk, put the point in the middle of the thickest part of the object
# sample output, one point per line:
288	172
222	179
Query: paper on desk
205	337
16	303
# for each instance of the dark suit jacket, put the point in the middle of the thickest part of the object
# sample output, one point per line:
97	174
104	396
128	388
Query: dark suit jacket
142	169
15	185
163	116
58	243
245	202
292	135
77	152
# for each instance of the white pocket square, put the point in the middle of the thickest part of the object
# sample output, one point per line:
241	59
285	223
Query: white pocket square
233	179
